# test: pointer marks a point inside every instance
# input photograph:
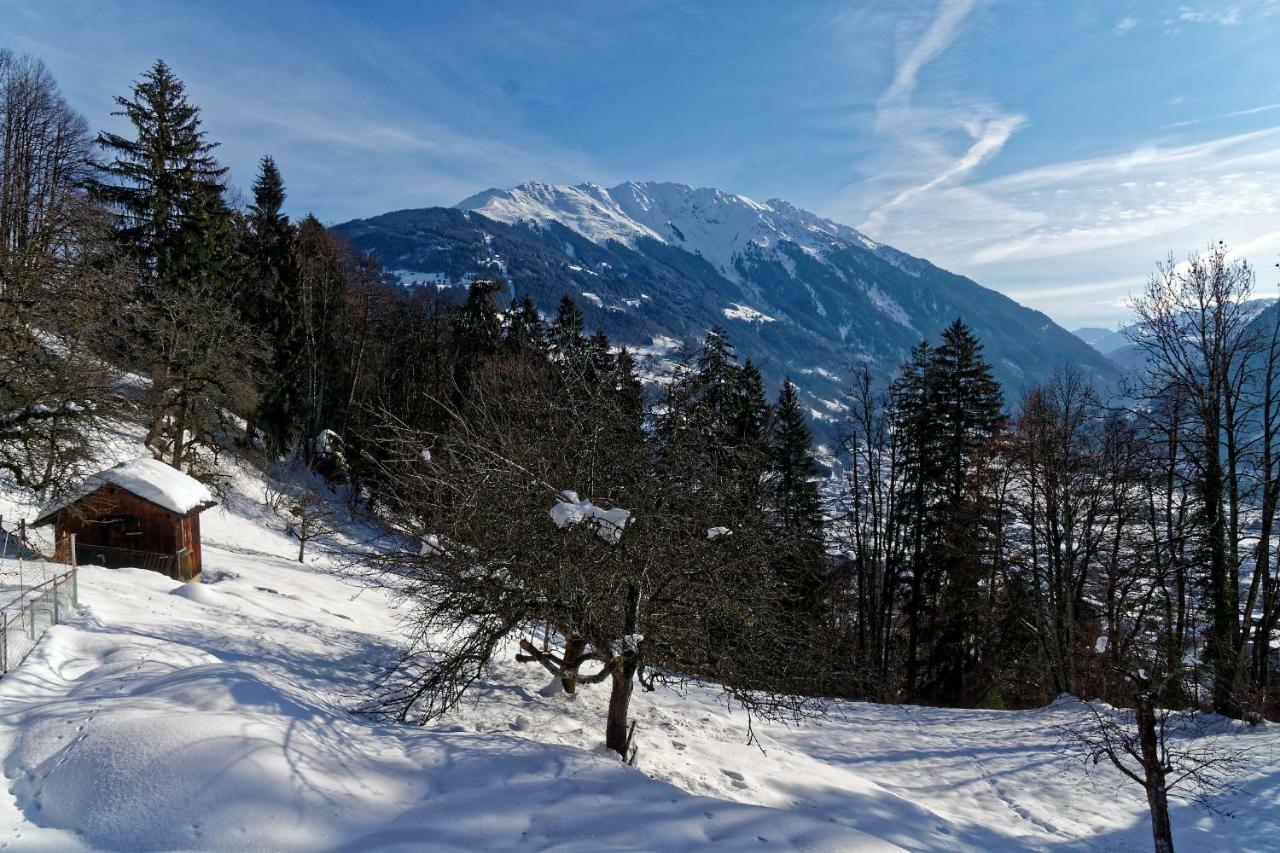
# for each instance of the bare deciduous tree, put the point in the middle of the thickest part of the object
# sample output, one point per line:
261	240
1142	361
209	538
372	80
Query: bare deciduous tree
62	285
639	595
1165	752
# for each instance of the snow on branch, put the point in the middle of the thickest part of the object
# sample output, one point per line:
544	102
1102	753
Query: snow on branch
607	522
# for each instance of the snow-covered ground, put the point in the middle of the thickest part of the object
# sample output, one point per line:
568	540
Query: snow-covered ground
217	716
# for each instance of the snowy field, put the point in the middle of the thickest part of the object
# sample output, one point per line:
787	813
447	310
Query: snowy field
216	716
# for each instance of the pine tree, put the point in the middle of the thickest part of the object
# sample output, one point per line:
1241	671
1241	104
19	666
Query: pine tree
163	178
969	407
749	420
795	504
271	304
947	406
477	334
792	467
525	330
599	361
567	342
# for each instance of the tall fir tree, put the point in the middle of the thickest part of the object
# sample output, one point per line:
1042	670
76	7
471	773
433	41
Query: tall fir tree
794	472
271	304
163	178
477	334
566	340
525	329
794	502
969	404
946	407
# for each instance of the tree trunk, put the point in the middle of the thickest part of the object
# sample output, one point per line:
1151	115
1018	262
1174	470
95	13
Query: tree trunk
1161	830
1157	789
615	732
1223	613
574	646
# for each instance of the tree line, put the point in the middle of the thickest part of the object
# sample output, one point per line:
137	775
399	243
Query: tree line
1002	561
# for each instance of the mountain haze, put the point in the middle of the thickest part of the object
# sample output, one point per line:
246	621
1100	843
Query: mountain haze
654	264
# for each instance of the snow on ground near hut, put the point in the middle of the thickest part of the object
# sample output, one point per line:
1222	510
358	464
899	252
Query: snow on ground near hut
216	716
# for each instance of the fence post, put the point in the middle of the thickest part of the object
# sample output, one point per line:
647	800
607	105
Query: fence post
57	614
4	645
31	612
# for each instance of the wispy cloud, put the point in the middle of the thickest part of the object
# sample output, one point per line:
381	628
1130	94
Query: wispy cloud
1228	16
939	35
928	132
1255	110
1124	25
1266	108
988	138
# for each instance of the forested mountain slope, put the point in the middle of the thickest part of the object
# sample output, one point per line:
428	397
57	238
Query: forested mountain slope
656	263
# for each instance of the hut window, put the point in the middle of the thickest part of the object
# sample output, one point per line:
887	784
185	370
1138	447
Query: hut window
130	525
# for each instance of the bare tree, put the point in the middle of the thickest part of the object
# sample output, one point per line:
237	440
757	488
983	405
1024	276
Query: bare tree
1165	752
622	567
62	285
300	497
871	526
1194	326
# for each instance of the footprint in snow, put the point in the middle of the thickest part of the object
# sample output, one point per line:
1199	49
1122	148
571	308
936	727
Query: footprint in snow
739	781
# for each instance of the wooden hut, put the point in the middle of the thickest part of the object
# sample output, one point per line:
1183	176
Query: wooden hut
142	513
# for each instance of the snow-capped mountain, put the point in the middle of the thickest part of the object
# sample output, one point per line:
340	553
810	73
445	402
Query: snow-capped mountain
654	264
719	226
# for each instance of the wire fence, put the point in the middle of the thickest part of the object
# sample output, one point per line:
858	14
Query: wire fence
35	594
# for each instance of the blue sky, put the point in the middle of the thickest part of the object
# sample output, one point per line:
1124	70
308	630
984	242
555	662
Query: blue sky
1053	150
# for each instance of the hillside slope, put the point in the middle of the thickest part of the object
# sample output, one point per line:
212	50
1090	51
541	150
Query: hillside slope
216	716
655	262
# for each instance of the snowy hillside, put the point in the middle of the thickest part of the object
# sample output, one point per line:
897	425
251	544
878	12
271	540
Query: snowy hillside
217	716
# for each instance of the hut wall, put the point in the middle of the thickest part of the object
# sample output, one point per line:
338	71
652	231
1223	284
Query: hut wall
113	518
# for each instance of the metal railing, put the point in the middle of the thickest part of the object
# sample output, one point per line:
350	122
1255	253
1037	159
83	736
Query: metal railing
37	595
119	558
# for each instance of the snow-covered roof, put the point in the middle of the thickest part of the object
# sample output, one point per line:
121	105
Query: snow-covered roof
149	479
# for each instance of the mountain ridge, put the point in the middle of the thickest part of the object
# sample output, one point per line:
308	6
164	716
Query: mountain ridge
655	263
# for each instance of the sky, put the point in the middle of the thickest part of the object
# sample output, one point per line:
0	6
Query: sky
1052	149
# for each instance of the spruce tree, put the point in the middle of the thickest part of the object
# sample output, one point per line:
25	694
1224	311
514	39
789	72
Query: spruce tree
795	504
947	406
477	334
525	330
163	178
271	304
794	491
567	342
969	406
749	418
599	361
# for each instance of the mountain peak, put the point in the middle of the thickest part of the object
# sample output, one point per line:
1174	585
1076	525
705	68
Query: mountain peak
718	225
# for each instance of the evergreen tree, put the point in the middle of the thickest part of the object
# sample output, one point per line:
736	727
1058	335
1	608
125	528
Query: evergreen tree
599	361
477	334
794	503
947	406
163	178
271	304
525	330
749	419
794	492
567	342
969	406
